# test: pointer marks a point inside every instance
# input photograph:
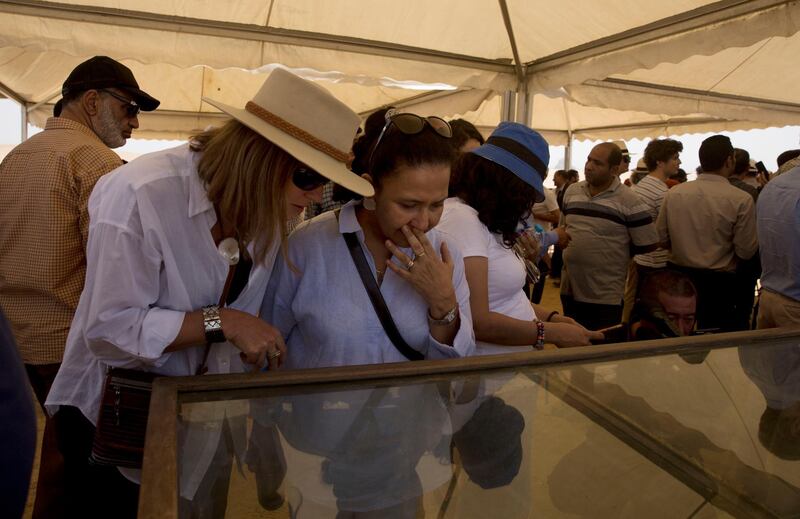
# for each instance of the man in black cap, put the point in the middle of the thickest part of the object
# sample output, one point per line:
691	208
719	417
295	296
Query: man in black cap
102	94
45	184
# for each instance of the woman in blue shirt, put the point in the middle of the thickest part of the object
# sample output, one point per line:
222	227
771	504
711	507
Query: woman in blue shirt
317	299
319	303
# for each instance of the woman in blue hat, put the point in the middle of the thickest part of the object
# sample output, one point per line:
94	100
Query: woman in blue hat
492	190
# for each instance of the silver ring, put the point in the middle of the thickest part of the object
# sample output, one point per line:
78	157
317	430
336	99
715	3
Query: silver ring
421	254
275	355
409	264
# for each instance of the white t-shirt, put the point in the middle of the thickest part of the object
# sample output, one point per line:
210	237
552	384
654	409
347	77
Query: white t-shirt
549	204
506	270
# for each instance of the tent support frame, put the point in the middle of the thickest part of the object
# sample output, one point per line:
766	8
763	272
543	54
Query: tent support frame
247	32
695	95
23	109
710	14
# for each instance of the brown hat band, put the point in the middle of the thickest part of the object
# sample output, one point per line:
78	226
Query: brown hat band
296	132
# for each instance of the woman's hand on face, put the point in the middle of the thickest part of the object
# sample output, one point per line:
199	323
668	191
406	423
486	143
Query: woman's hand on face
566	335
259	341
430	274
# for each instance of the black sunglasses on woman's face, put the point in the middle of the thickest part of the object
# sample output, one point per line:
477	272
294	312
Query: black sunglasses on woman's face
306	179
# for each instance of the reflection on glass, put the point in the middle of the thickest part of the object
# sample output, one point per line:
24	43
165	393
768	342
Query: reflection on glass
664	436
776	372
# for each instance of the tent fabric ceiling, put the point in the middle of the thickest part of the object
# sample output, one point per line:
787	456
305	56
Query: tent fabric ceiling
628	68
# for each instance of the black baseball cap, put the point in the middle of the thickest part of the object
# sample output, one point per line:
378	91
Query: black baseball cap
103	72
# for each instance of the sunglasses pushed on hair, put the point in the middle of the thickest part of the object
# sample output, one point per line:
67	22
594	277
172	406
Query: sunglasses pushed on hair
411	124
131	107
306	179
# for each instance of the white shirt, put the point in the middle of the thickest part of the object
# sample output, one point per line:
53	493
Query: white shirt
549	205
506	271
325	313
150	259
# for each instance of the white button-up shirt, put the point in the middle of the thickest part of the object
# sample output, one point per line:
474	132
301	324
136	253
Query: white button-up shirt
325	313
150	260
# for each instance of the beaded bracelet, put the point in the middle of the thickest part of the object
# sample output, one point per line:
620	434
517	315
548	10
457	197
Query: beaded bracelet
539	336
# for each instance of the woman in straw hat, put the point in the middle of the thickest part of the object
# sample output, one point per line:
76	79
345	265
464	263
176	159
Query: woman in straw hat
180	249
494	188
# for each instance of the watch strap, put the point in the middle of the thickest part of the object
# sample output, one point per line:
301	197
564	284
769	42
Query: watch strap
448	318
212	323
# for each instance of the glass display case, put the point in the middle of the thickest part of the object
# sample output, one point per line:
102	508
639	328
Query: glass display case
695	427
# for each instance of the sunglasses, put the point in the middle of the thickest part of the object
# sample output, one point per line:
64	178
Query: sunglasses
306	179
131	107
411	124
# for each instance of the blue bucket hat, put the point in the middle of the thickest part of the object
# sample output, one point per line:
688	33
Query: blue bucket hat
520	150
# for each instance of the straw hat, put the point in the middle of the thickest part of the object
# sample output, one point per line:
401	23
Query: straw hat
307	122
624	149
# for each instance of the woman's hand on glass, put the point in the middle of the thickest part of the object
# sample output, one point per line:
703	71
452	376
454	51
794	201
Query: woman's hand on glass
565	335
429	272
558	318
260	342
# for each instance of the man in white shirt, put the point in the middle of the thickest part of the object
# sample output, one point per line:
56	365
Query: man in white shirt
546	214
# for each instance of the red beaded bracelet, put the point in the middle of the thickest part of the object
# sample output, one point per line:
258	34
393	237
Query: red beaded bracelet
539	335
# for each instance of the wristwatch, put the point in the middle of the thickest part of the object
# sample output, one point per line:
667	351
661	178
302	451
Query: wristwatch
212	323
448	318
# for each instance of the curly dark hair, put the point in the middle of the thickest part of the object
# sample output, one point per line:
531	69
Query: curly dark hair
501	198
660	150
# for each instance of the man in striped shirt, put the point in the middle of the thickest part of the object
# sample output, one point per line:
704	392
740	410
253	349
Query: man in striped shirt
662	158
604	218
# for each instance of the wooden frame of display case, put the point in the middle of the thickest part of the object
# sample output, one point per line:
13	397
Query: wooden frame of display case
159	490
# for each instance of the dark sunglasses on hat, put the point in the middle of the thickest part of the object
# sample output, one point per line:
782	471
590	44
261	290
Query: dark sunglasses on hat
131	107
411	124
306	179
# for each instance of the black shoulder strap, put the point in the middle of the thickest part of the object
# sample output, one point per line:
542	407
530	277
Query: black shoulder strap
375	296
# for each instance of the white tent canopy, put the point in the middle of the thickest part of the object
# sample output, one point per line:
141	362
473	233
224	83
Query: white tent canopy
577	69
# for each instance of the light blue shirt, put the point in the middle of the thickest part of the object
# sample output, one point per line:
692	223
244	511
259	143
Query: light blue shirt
324	312
778	221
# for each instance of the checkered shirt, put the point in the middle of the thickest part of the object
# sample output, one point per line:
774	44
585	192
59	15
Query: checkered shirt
45	184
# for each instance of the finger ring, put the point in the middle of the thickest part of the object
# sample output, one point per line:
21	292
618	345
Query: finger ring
417	256
409	264
275	355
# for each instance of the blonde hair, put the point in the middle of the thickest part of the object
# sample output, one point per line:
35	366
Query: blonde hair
246	177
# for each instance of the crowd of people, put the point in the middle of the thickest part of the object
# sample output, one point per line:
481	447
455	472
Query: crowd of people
425	239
